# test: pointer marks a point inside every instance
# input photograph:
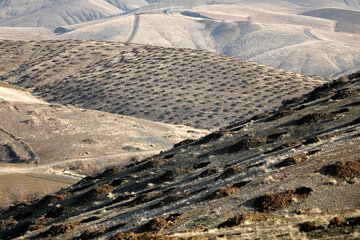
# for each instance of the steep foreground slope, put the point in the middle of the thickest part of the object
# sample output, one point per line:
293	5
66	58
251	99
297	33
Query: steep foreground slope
177	86
292	173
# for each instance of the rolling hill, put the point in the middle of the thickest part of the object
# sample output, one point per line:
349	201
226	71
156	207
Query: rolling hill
292	173
293	35
51	145
176	86
33	131
52	14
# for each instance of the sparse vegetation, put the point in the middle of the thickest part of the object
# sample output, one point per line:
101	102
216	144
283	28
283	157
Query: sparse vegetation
161	98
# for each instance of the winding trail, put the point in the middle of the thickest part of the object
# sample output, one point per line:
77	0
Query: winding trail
134	28
9	170
310	35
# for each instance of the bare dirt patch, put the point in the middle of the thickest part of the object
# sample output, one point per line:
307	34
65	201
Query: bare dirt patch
231	171
160	224
223	192
248	217
343	169
277	201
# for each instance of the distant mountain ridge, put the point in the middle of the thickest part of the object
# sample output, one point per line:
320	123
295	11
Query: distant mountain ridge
278	33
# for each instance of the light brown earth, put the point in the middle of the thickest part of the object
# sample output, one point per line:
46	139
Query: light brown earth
175	86
282	34
47	140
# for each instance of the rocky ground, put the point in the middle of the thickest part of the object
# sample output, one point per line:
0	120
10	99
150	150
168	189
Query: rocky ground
291	173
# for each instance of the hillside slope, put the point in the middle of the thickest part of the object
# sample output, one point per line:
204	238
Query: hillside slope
33	131
177	86
260	31
289	173
246	31
52	14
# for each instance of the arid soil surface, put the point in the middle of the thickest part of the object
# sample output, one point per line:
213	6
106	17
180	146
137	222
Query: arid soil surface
176	86
52	145
306	36
291	173
33	131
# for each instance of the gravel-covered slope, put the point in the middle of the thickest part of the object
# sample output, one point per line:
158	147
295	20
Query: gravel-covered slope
289	173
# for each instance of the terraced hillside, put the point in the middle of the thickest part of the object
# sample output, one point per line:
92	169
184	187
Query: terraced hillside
177	86
292	173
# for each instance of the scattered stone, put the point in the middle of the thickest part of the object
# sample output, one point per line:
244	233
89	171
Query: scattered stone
123	197
276	136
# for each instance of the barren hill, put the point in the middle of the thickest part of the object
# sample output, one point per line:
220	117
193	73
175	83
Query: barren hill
279	36
298	36
55	146
177	86
33	131
291	173
52	14
346	20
